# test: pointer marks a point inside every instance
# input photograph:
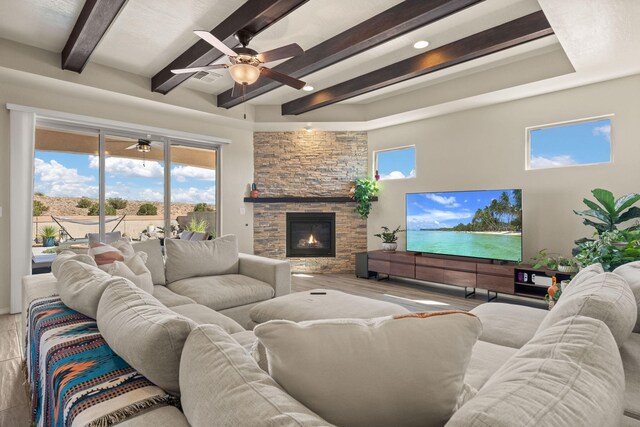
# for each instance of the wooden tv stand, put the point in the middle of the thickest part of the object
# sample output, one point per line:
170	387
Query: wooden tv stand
457	271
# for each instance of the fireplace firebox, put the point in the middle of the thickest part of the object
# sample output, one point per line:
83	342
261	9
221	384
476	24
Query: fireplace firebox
311	234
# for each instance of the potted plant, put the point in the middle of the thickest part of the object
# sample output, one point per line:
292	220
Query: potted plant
567	265
603	250
544	260
389	238
363	194
48	234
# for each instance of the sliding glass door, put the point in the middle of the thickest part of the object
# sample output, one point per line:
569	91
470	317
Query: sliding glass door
97	185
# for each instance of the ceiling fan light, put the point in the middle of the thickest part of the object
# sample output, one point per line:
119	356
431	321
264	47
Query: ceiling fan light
143	148
244	74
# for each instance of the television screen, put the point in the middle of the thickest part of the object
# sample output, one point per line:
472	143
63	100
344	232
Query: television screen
479	224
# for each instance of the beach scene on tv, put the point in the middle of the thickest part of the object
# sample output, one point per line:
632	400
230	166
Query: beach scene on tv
480	224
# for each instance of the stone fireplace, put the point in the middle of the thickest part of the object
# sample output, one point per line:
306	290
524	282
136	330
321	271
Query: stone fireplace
309	173
311	234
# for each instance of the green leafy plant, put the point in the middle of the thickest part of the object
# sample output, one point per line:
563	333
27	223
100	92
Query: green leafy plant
610	212
84	203
117	202
544	260
39	208
49	232
94	210
566	262
603	250
39	194
198	225
147	209
389	236
365	190
203	207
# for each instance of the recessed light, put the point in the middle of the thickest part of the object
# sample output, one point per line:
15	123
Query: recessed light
307	88
421	44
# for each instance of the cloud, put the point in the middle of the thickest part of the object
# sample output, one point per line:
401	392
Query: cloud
604	130
182	173
435	218
193	195
56	180
132	168
149	195
398	175
541	162
449	202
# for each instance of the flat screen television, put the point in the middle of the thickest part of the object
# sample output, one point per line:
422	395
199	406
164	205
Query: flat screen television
478	224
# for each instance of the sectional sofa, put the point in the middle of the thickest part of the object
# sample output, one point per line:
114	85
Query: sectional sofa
529	367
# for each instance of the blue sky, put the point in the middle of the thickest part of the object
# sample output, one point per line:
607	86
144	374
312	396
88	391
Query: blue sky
76	175
397	164
573	144
438	210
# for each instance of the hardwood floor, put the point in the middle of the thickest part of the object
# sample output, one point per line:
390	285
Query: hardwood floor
14	409
415	296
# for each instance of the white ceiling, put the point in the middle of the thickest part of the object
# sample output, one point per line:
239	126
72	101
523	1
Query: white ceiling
599	39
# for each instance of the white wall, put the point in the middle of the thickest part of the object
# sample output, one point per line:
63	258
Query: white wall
484	148
237	157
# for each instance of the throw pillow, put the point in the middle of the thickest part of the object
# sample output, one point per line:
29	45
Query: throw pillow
145	333
214	364
105	254
187	259
398	370
155	260
606	297
67	255
631	273
81	285
134	269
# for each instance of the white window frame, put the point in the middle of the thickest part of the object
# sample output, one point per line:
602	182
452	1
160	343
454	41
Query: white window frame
404	147
528	130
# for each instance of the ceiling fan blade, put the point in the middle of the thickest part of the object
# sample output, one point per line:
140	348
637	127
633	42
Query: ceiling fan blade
237	90
213	41
280	53
196	69
282	78
131	147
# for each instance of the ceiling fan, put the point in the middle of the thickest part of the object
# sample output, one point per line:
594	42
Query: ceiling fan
145	145
247	64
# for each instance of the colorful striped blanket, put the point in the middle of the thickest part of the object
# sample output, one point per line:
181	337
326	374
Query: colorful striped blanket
75	378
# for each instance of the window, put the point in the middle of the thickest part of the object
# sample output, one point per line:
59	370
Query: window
89	183
582	142
397	163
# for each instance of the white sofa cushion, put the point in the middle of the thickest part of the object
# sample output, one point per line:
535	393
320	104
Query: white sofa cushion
631	273
605	297
81	285
404	370
486	359
146	334
202	315
570	374
133	269
586	273
155	259
187	259
169	298
630	353
508	324
223	386
67	255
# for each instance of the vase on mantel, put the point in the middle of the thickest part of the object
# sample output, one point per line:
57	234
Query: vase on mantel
389	247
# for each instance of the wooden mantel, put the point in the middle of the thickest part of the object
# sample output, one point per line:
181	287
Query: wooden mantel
311	199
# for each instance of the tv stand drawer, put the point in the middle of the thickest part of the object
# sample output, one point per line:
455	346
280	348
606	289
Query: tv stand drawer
430	274
379	266
460	278
500	284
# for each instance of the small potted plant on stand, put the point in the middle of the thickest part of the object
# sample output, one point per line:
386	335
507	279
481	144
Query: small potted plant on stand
48	233
567	265
389	238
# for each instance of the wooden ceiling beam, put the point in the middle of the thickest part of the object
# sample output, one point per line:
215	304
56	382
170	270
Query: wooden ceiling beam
510	34
406	16
253	16
92	24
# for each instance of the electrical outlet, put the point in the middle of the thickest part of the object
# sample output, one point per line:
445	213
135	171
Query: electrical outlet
243	211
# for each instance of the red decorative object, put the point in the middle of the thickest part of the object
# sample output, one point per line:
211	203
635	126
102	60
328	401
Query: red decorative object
377	176
254	194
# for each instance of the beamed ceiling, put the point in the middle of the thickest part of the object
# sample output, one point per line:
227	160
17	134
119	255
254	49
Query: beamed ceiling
358	54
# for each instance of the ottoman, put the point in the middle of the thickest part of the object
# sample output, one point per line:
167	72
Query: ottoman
321	304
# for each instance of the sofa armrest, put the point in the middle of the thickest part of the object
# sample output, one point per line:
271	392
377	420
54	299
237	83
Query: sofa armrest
275	272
